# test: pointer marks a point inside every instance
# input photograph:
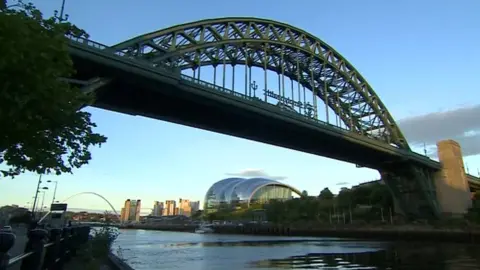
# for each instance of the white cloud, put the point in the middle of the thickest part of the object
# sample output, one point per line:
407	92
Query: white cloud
461	125
342	184
257	173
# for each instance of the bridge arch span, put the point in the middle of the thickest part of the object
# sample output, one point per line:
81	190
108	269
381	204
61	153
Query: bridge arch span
98	195
280	48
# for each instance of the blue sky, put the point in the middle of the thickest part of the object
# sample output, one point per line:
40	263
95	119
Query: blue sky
421	57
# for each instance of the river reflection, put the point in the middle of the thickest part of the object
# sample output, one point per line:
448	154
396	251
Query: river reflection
171	250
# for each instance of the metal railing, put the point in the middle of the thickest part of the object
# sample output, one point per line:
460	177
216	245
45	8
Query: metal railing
206	84
45	249
111	51
197	82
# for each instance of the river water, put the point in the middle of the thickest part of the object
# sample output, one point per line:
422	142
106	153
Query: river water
151	250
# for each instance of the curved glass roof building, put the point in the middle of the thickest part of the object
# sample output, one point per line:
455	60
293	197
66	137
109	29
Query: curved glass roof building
234	191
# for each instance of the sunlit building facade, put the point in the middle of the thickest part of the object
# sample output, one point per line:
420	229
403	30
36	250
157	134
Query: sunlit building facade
170	208
195	206
232	192
157	209
131	210
184	207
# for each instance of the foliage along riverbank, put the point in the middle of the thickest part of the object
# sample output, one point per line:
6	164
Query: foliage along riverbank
407	232
387	232
370	203
342	215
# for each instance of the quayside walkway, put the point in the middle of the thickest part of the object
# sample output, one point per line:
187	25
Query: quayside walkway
44	249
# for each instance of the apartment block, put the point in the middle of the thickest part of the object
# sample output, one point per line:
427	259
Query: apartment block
169	209
195	206
184	207
157	209
131	210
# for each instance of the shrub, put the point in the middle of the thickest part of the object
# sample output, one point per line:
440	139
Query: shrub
95	252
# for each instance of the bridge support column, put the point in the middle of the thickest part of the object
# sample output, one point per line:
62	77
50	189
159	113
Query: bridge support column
413	191
452	188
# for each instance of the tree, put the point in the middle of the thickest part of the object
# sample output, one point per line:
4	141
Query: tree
361	195
197	214
43	128
344	199
24	218
325	194
380	196
304	194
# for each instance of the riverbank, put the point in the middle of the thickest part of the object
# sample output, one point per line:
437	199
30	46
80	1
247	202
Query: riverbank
390	233
385	232
161	227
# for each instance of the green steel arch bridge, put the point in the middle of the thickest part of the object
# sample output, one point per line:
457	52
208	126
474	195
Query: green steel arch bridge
206	74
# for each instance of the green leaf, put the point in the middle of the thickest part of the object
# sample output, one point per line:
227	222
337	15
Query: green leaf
43	130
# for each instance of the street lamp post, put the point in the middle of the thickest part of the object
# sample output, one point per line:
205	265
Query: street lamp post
253	86
43	200
61	18
36	195
55	190
43	191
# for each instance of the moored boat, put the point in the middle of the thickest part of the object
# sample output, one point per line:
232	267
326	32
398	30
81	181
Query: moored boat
204	228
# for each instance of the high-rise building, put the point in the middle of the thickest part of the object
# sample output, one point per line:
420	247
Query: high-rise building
137	205
157	209
131	210
125	211
184	207
195	206
169	209
122	214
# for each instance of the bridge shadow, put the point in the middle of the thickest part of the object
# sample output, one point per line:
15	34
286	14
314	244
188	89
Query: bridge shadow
401	256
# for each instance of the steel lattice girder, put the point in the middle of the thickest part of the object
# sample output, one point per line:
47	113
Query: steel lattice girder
280	48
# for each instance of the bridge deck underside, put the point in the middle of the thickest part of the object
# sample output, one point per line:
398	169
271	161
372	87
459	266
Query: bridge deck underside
175	103
172	101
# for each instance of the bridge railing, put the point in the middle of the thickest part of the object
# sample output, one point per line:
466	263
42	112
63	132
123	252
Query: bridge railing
108	49
45	249
170	70
254	99
87	42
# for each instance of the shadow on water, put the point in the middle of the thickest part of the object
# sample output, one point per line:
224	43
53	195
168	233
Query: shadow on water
399	256
266	243
184	251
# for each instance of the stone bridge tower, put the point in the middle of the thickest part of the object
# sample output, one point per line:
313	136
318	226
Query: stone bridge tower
451	183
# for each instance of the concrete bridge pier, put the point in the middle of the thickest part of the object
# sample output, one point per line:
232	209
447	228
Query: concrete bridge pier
451	183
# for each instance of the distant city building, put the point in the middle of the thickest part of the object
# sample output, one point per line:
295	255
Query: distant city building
125	211
184	207
170	207
131	210
195	206
234	192
157	209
